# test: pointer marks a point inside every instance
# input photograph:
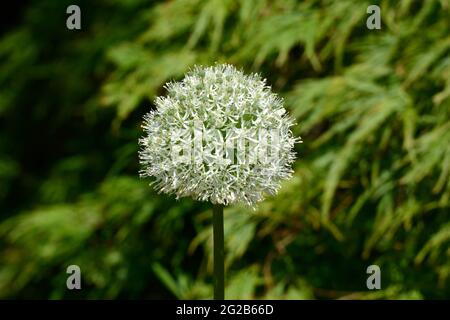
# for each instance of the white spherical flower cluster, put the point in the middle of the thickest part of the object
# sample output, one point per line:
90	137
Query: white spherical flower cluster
220	136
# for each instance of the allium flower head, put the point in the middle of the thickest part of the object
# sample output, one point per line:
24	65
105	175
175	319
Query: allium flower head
220	136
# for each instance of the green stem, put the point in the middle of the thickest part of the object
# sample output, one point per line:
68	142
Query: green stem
219	252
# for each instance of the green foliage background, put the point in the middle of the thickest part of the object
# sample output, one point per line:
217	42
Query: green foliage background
371	184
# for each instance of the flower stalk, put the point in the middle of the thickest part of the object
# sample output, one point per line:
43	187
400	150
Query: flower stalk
219	253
